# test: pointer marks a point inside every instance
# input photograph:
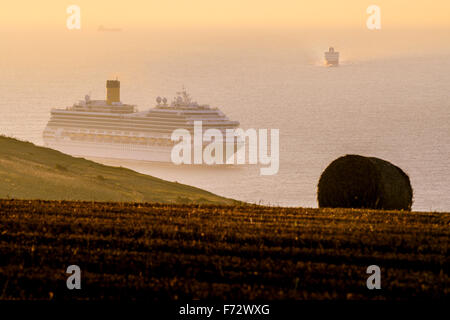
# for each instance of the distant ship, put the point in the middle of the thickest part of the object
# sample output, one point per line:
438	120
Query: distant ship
110	129
331	57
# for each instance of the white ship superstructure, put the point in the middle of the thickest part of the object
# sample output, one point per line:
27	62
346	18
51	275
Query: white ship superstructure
110	129
331	57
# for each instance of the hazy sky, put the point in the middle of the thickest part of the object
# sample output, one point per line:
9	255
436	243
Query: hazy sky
132	14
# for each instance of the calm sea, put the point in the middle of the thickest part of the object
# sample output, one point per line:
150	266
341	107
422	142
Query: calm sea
394	107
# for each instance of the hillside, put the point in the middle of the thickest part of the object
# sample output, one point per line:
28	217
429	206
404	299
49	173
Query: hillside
160	252
31	172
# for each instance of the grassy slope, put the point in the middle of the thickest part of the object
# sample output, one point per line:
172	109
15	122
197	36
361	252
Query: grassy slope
151	252
31	172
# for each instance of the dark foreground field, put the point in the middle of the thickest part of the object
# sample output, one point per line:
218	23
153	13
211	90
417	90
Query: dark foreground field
158	252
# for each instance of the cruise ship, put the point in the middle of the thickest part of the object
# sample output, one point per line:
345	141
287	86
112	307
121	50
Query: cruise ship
331	57
111	129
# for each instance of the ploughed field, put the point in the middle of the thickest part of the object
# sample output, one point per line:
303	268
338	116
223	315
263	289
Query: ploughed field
145	251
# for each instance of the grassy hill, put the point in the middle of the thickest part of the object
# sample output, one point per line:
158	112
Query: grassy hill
31	172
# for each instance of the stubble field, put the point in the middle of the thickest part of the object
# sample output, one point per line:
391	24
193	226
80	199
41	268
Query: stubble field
142	251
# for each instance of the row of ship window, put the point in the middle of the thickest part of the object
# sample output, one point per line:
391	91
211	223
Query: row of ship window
122	139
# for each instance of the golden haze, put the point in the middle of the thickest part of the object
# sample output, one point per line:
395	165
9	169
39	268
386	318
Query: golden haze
229	14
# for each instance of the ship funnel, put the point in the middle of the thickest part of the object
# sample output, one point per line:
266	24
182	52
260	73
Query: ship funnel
112	91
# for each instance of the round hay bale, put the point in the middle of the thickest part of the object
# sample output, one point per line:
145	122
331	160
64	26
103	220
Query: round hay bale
354	181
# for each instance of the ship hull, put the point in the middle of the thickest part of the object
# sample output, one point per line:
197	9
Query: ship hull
332	63
121	151
113	151
332	59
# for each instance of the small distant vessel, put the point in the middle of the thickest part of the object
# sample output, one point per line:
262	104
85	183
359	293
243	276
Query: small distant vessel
111	129
331	57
